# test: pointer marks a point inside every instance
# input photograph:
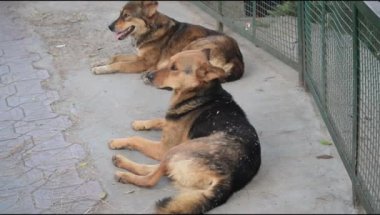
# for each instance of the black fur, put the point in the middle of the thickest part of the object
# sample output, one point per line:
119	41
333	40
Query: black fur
238	158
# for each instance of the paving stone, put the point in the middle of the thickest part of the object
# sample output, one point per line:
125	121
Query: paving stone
4	69
46	198
7	131
55	142
12	114
42	130
36	111
7	91
24	177
3	105
22	72
28	87
18	202
47	97
14	50
65	178
9	147
55	159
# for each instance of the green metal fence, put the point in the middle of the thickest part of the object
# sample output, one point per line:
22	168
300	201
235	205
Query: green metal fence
335	47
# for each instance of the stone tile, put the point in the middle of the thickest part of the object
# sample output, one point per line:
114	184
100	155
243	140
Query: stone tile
49	198
55	159
55	142
43	130
47	97
20	202
13	114
16	145
7	131
4	69
36	111
7	91
65	178
29	87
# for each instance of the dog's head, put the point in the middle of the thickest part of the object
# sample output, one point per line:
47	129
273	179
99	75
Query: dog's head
185	71
133	19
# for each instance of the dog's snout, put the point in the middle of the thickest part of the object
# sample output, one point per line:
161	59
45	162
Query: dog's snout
148	77
111	27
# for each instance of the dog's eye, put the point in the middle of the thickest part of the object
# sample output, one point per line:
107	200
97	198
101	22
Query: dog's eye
173	67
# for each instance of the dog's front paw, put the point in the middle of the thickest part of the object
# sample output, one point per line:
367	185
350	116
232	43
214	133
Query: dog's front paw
114	144
122	143
117	160
101	70
139	125
123	177
118	176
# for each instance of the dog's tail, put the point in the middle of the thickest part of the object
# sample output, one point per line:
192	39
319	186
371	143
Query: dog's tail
195	201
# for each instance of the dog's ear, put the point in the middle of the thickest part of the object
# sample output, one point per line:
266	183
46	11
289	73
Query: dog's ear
207	52
149	7
208	72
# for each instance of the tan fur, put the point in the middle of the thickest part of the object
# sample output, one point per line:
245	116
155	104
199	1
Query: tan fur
186	73
155	50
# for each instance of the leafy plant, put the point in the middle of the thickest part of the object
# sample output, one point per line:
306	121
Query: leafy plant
288	8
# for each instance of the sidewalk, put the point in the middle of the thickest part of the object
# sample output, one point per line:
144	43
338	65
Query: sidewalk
57	117
38	168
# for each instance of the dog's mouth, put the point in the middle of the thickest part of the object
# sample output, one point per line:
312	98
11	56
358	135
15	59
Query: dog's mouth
166	88
123	34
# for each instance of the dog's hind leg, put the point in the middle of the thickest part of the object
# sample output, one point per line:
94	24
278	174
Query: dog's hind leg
152	149
139	169
139	180
156	124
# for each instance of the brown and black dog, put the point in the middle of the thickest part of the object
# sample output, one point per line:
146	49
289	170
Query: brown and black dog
208	147
158	37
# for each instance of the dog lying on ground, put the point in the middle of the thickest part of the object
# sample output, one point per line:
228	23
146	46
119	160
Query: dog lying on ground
157	37
208	147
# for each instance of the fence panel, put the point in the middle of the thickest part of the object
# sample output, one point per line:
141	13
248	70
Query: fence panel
336	47
268	24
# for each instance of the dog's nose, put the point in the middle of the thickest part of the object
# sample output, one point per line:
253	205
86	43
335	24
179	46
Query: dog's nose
148	77
110	27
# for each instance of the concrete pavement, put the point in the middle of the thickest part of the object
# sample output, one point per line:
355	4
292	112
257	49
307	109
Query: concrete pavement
58	120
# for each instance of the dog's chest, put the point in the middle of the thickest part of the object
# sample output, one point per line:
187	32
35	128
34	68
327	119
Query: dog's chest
176	131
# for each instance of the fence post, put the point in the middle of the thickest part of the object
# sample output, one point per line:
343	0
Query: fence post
220	10
323	57
301	44
253	21
355	97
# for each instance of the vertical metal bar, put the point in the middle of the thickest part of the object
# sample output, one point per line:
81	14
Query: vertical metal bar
355	96
220	10
301	43
323	57
253	21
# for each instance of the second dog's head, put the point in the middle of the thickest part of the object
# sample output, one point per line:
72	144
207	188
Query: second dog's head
134	19
185	71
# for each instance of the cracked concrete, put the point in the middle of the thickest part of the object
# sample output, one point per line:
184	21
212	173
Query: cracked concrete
56	118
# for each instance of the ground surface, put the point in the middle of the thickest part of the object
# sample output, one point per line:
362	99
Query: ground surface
56	118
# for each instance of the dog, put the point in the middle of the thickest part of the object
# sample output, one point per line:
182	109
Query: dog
157	37
208	147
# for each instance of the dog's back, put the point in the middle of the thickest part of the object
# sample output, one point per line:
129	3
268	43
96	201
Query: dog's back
224	115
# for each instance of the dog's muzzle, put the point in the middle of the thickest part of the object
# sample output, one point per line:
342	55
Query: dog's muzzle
148	77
